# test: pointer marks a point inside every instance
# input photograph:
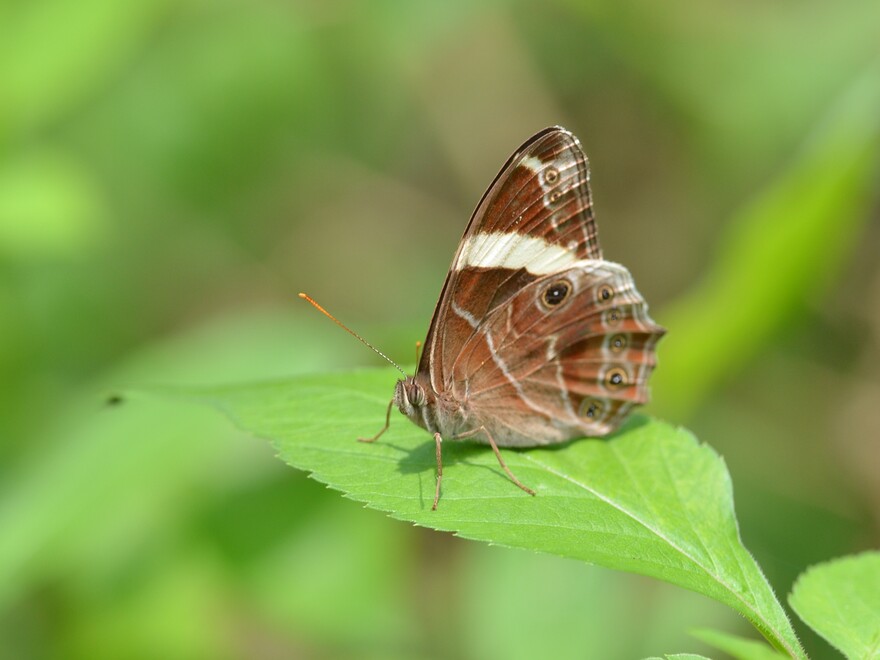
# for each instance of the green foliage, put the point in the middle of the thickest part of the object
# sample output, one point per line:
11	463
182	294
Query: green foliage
768	255
841	600
173	171
651	500
47	207
45	68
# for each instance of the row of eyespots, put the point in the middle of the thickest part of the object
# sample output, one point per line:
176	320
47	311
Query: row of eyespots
550	179
615	378
594	408
556	293
613	315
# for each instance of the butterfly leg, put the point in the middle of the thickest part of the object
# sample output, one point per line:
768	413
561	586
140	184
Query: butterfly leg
384	428
485	431
437	441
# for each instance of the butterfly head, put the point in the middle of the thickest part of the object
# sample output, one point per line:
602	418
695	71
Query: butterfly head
409	396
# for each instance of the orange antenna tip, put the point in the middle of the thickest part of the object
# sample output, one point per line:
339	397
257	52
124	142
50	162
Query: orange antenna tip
349	330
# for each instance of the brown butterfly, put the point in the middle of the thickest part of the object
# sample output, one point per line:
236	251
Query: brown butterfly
536	339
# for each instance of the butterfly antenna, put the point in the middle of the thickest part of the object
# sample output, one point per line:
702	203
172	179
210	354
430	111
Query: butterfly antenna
418	351
349	330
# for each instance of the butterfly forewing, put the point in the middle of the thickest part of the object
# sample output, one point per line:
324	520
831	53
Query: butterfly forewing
542	192
535	218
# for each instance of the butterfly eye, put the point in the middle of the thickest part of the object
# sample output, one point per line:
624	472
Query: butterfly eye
416	396
604	293
592	408
612	317
615	378
551	175
617	343
556	293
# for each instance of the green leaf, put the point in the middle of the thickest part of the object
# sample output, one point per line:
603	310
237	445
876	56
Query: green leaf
737	647
650	500
840	600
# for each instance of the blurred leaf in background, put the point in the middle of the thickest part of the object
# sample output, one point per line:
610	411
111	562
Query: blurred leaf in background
172	173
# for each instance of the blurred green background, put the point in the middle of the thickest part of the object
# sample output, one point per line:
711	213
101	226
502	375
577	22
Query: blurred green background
173	173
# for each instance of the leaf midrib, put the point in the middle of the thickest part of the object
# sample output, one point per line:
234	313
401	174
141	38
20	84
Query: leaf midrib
715	577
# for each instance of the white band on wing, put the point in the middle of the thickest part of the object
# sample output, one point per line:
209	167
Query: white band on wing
514	251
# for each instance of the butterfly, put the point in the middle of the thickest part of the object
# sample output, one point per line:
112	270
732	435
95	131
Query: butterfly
535	339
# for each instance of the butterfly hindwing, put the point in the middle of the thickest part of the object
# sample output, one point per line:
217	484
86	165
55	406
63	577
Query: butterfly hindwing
545	368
